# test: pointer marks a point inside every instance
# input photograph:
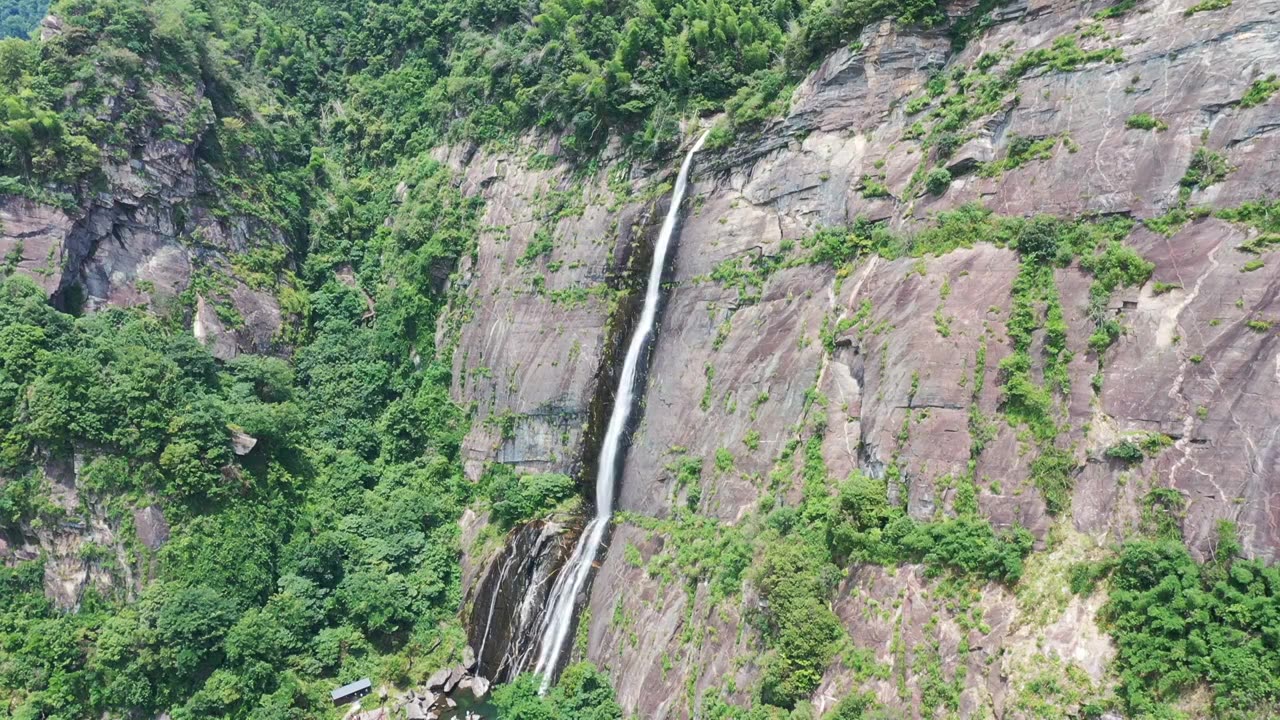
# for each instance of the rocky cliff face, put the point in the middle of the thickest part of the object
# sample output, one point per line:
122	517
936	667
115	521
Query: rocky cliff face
1049	107
153	231
735	367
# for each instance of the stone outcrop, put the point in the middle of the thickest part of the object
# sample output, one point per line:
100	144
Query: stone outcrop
89	545
150	231
1189	366
540	308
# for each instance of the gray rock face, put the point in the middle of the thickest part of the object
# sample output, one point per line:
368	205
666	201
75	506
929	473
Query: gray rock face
241	443
1189	365
439	678
71	549
151	527
132	243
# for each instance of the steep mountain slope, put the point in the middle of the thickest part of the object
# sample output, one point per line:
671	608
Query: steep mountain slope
896	363
963	401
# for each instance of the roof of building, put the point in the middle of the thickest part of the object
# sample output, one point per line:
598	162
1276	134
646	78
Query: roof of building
351	688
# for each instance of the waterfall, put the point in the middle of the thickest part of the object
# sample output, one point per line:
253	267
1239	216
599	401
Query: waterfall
559	618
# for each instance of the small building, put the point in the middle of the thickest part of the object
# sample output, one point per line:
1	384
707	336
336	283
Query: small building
351	692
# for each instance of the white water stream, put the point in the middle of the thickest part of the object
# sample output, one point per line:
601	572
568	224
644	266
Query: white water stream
559	618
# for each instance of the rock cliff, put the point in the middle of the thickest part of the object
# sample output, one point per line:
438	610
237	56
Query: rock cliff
156	230
1147	112
904	351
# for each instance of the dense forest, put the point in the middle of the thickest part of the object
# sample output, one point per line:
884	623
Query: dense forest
329	551
19	17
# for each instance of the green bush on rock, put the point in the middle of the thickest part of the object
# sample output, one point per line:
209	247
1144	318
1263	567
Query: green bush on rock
519	498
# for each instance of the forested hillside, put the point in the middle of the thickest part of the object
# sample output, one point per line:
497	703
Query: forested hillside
19	17
328	550
306	311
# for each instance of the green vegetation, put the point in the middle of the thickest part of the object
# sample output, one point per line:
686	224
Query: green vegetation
1179	624
520	498
873	188
802	546
1261	215
1260	91
1207	5
1021	150
937	181
1207	168
338	530
583	693
1145	121
330	550
1136	448
1119	9
19	17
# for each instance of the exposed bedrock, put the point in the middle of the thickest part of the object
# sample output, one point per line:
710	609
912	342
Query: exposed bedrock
1189	366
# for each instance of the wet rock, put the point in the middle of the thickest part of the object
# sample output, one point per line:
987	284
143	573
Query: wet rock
468	658
479	687
803	172
455	676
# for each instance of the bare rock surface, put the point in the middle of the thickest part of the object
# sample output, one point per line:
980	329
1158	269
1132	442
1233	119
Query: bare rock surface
142	237
732	367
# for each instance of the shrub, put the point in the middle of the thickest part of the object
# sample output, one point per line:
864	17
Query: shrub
1207	168
872	188
1260	91
1145	121
582	693
1116	10
970	545
938	180
795	581
1207	5
520	498
1259	326
1125	451
1178	624
1053	474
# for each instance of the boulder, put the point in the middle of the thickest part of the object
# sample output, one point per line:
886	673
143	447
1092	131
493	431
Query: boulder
241	443
468	658
455	677
439	678
479	687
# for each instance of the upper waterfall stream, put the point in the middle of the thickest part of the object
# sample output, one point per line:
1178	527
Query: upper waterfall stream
573	576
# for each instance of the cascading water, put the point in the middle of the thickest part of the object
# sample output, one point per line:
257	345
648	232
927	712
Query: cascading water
559	617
